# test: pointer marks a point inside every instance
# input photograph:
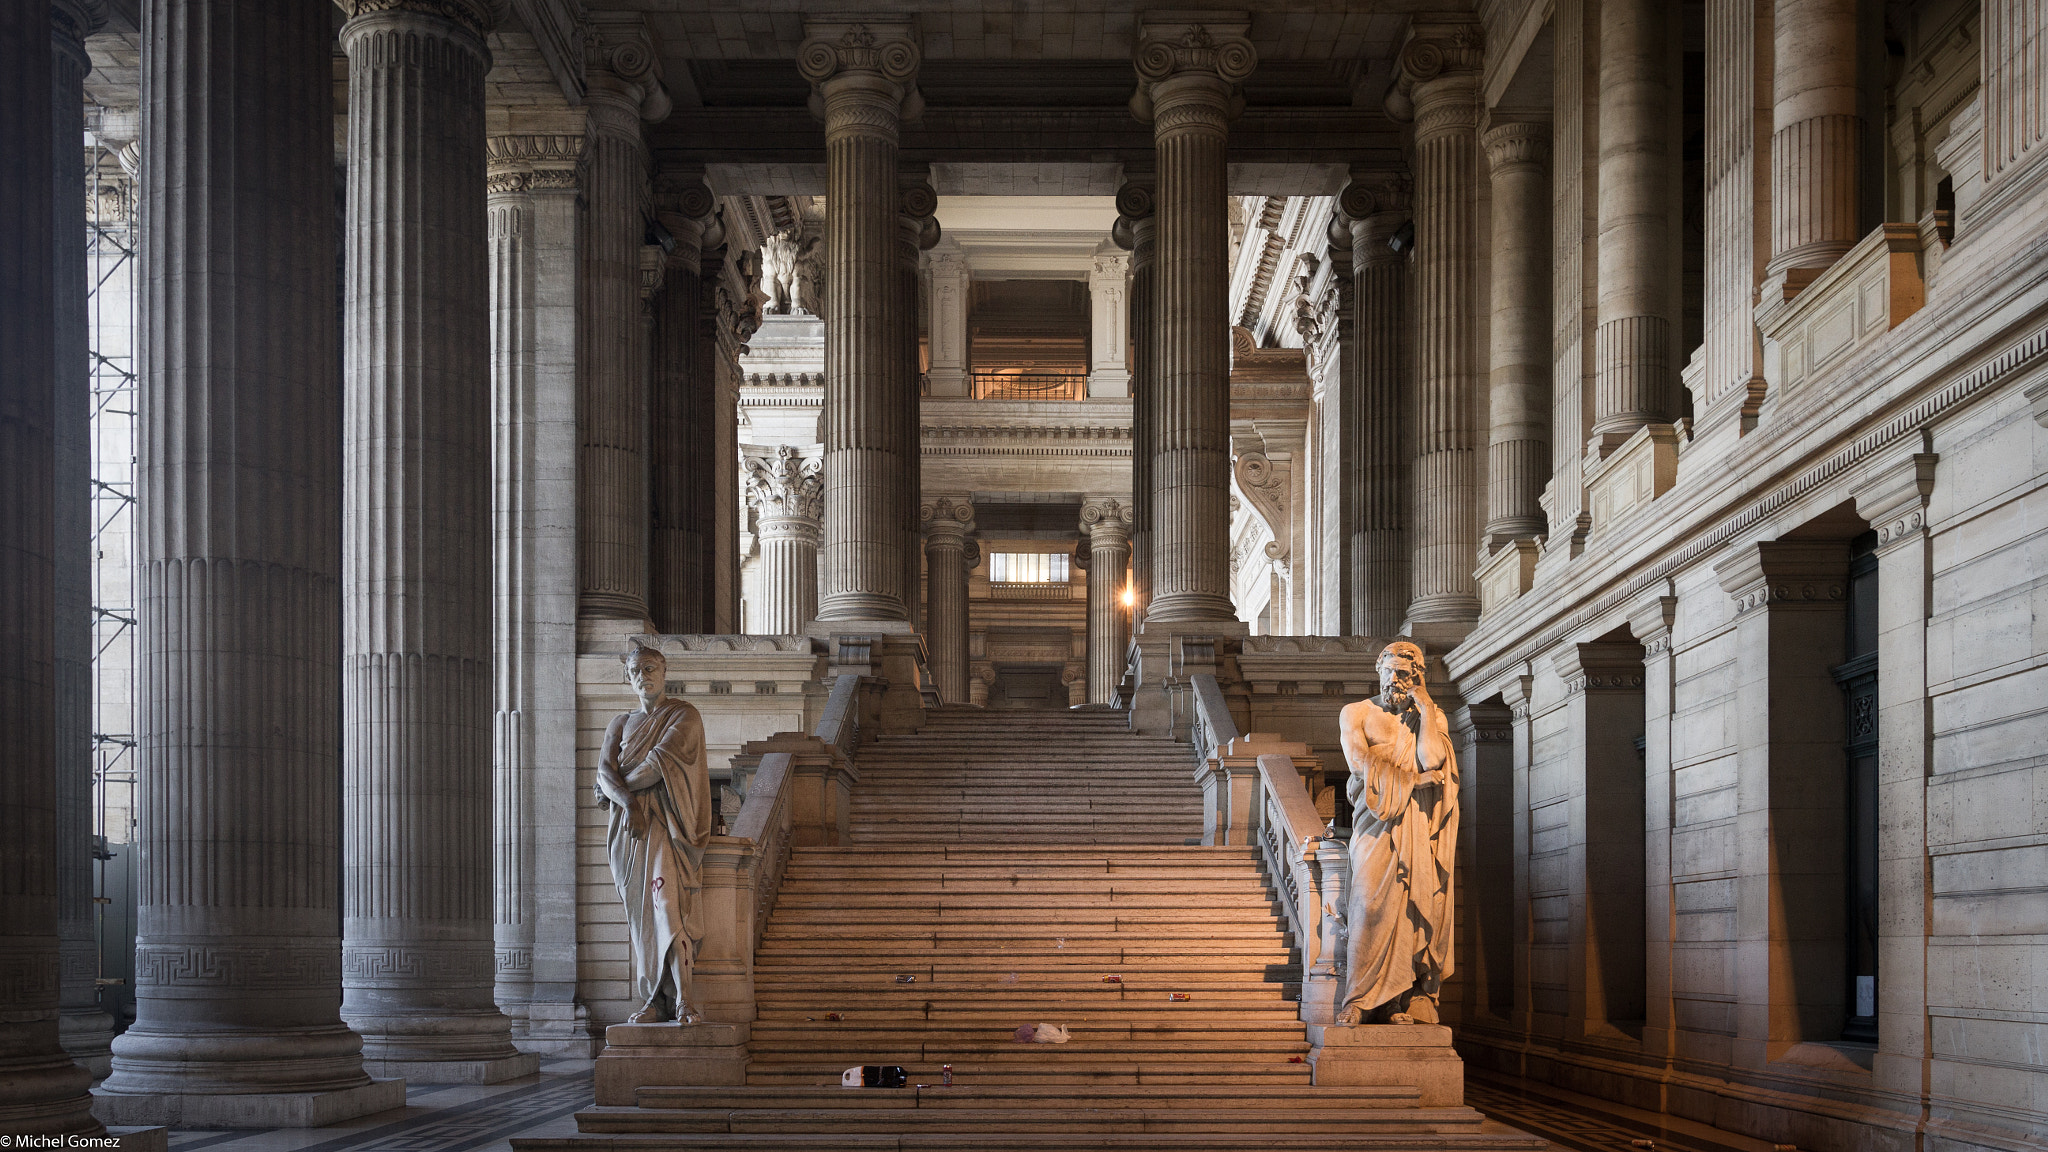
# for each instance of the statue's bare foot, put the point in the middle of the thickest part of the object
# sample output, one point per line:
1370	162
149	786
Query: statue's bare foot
1349	1015
651	1014
1400	1018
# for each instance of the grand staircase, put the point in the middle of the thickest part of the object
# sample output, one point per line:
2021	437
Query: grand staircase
1010	869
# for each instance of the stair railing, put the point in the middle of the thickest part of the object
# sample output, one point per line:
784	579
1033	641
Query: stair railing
1311	869
798	795
1214	726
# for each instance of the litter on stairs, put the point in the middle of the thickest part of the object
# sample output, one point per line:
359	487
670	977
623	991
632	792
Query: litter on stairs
1042	1034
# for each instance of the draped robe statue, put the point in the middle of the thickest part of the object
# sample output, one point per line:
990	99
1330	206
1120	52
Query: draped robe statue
652	780
1404	793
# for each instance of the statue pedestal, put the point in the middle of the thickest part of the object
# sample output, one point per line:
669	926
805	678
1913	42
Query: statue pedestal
1391	1055
687	1055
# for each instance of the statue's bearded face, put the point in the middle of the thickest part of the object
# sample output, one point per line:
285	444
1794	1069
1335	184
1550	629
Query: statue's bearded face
648	674
1399	676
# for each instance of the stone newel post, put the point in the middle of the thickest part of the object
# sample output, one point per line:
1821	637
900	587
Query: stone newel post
863	75
1107	526
788	498
418	958
949	555
1187	88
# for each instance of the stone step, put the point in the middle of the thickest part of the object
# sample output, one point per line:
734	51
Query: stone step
1054	1070
983	1027
1091	1121
1222	894
1270	1097
989	1056
1017	1142
992	970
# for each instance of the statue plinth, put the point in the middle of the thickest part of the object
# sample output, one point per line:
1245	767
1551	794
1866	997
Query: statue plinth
1390	1055
645	1055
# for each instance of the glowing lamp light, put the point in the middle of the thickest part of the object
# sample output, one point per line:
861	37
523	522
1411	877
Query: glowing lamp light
1130	598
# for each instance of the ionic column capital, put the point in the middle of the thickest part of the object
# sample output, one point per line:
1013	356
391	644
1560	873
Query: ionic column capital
786	488
1376	204
863	75
947	522
1188	74
1106	522
622	73
1522	143
77	19
1436	77
683	205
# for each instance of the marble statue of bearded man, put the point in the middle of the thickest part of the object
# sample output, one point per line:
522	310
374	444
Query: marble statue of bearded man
653	782
1404	835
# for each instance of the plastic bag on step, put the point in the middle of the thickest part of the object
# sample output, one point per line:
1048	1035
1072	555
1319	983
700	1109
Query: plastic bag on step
1041	1034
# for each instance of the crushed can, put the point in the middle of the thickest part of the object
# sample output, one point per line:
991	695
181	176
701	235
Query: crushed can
1112	979
1180	995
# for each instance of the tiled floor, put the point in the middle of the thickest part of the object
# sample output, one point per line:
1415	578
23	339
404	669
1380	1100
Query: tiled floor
466	1118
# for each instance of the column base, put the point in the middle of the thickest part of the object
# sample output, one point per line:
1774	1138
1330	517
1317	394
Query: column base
494	1071
251	1110
1389	1055
695	1055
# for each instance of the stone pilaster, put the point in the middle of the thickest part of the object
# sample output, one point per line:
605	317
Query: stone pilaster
1650	622
534	237
1518	392
948	526
1329	328
1439	74
612	521
948	279
682	551
1376	412
787	496
1106	525
916	229
863	75
418	959
86	1030
238	658
1814	139
1635	369
44	1091
1137	231
1109	333
1188	76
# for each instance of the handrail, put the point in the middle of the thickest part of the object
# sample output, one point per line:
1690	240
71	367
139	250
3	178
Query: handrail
839	726
1214	726
1312	870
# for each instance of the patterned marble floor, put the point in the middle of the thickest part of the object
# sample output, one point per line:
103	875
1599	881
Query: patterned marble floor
467	1118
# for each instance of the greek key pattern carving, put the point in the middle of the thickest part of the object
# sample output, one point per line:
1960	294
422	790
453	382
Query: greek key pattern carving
28	976
240	969
452	964
515	962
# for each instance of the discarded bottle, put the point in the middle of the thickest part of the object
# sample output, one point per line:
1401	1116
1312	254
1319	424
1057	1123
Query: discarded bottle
1112	979
946	1075
906	979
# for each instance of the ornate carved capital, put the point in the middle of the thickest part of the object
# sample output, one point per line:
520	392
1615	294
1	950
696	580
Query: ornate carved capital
1106	522
1786	574
1188	73
1264	483
475	16
786	487
541	162
863	75
622	70
1372	194
77	19
947	521
1436	77
1600	666
1521	143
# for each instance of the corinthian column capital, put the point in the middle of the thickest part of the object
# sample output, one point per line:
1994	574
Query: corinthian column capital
863	74
1188	73
787	487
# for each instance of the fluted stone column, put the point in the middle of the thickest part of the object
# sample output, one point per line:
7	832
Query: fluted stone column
534	232
1377	205
916	230
612	412
418	958
682	553
1439	73
1188	76
862	74
1815	132
86	1030
1136	231
1518	445
1107	526
41	1090
1635	372
238	659
787	496
948	526
949	279
980	676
